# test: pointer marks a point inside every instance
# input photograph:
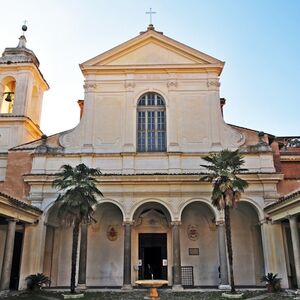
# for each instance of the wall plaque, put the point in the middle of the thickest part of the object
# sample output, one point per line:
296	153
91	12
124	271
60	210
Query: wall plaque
193	251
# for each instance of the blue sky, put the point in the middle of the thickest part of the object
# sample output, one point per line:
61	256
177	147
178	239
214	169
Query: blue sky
258	39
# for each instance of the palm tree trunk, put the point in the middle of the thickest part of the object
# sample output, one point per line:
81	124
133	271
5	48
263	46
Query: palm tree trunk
74	255
229	246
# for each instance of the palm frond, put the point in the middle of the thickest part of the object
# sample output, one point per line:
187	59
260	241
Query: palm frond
223	168
78	190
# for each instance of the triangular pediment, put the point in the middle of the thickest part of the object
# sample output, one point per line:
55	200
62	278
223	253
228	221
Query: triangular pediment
151	49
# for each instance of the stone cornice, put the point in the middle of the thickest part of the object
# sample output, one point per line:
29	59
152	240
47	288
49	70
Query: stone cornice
104	63
11	118
144	69
285	206
29	67
17	209
139	154
289	157
191	178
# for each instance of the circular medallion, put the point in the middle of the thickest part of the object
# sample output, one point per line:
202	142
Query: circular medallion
112	232
192	232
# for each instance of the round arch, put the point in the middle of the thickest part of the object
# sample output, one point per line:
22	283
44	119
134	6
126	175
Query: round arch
151	90
148	202
200	200
114	202
258	209
52	206
7	79
49	210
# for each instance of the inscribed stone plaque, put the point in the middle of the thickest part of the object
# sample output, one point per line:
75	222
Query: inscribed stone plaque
193	251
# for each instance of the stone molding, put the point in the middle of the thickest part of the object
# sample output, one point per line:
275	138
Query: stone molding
175	223
89	87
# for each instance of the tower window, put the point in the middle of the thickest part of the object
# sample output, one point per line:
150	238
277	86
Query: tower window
151	123
8	95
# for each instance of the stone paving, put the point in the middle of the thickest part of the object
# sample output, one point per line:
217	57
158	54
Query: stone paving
165	294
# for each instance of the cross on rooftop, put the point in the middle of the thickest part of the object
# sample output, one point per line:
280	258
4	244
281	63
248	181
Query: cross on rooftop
150	12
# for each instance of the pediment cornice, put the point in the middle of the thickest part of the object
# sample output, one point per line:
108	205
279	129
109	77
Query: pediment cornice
152	51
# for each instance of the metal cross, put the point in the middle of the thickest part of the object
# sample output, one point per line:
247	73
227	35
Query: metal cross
150	12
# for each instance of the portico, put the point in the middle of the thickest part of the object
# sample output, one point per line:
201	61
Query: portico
287	213
15	215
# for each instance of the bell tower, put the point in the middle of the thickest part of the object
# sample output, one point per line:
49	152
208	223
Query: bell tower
22	86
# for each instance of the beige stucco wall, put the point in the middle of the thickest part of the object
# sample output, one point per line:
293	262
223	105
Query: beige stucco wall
105	257
247	245
206	264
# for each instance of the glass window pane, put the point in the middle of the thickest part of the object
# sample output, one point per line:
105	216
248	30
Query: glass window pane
151	123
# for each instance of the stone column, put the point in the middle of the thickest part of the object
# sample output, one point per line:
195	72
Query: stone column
176	256
127	256
296	245
224	283
8	255
82	257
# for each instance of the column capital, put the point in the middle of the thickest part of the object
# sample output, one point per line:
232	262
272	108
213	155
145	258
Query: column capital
292	217
12	220
128	222
220	222
175	223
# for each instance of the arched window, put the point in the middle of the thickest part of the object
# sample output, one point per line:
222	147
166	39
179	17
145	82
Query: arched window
151	123
8	87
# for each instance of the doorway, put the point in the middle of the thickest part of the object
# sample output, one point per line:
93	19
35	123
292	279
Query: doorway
16	260
153	256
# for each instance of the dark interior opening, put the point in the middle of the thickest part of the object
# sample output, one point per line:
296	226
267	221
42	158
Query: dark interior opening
16	261
152	252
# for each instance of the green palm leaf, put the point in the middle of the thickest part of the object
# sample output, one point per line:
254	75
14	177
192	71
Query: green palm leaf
76	202
227	189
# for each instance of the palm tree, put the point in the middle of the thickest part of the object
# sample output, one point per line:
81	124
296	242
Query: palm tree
76	202
223	168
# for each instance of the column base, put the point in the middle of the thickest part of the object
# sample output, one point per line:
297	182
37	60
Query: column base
4	293
177	287
81	287
126	287
224	287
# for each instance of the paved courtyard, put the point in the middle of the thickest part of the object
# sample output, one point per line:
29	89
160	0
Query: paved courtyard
139	295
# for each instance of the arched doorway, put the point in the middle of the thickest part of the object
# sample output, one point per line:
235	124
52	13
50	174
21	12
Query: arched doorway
247	245
152	240
199	243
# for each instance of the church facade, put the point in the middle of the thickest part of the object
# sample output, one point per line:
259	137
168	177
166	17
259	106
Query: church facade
151	110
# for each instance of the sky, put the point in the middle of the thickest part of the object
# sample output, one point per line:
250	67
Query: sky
259	40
